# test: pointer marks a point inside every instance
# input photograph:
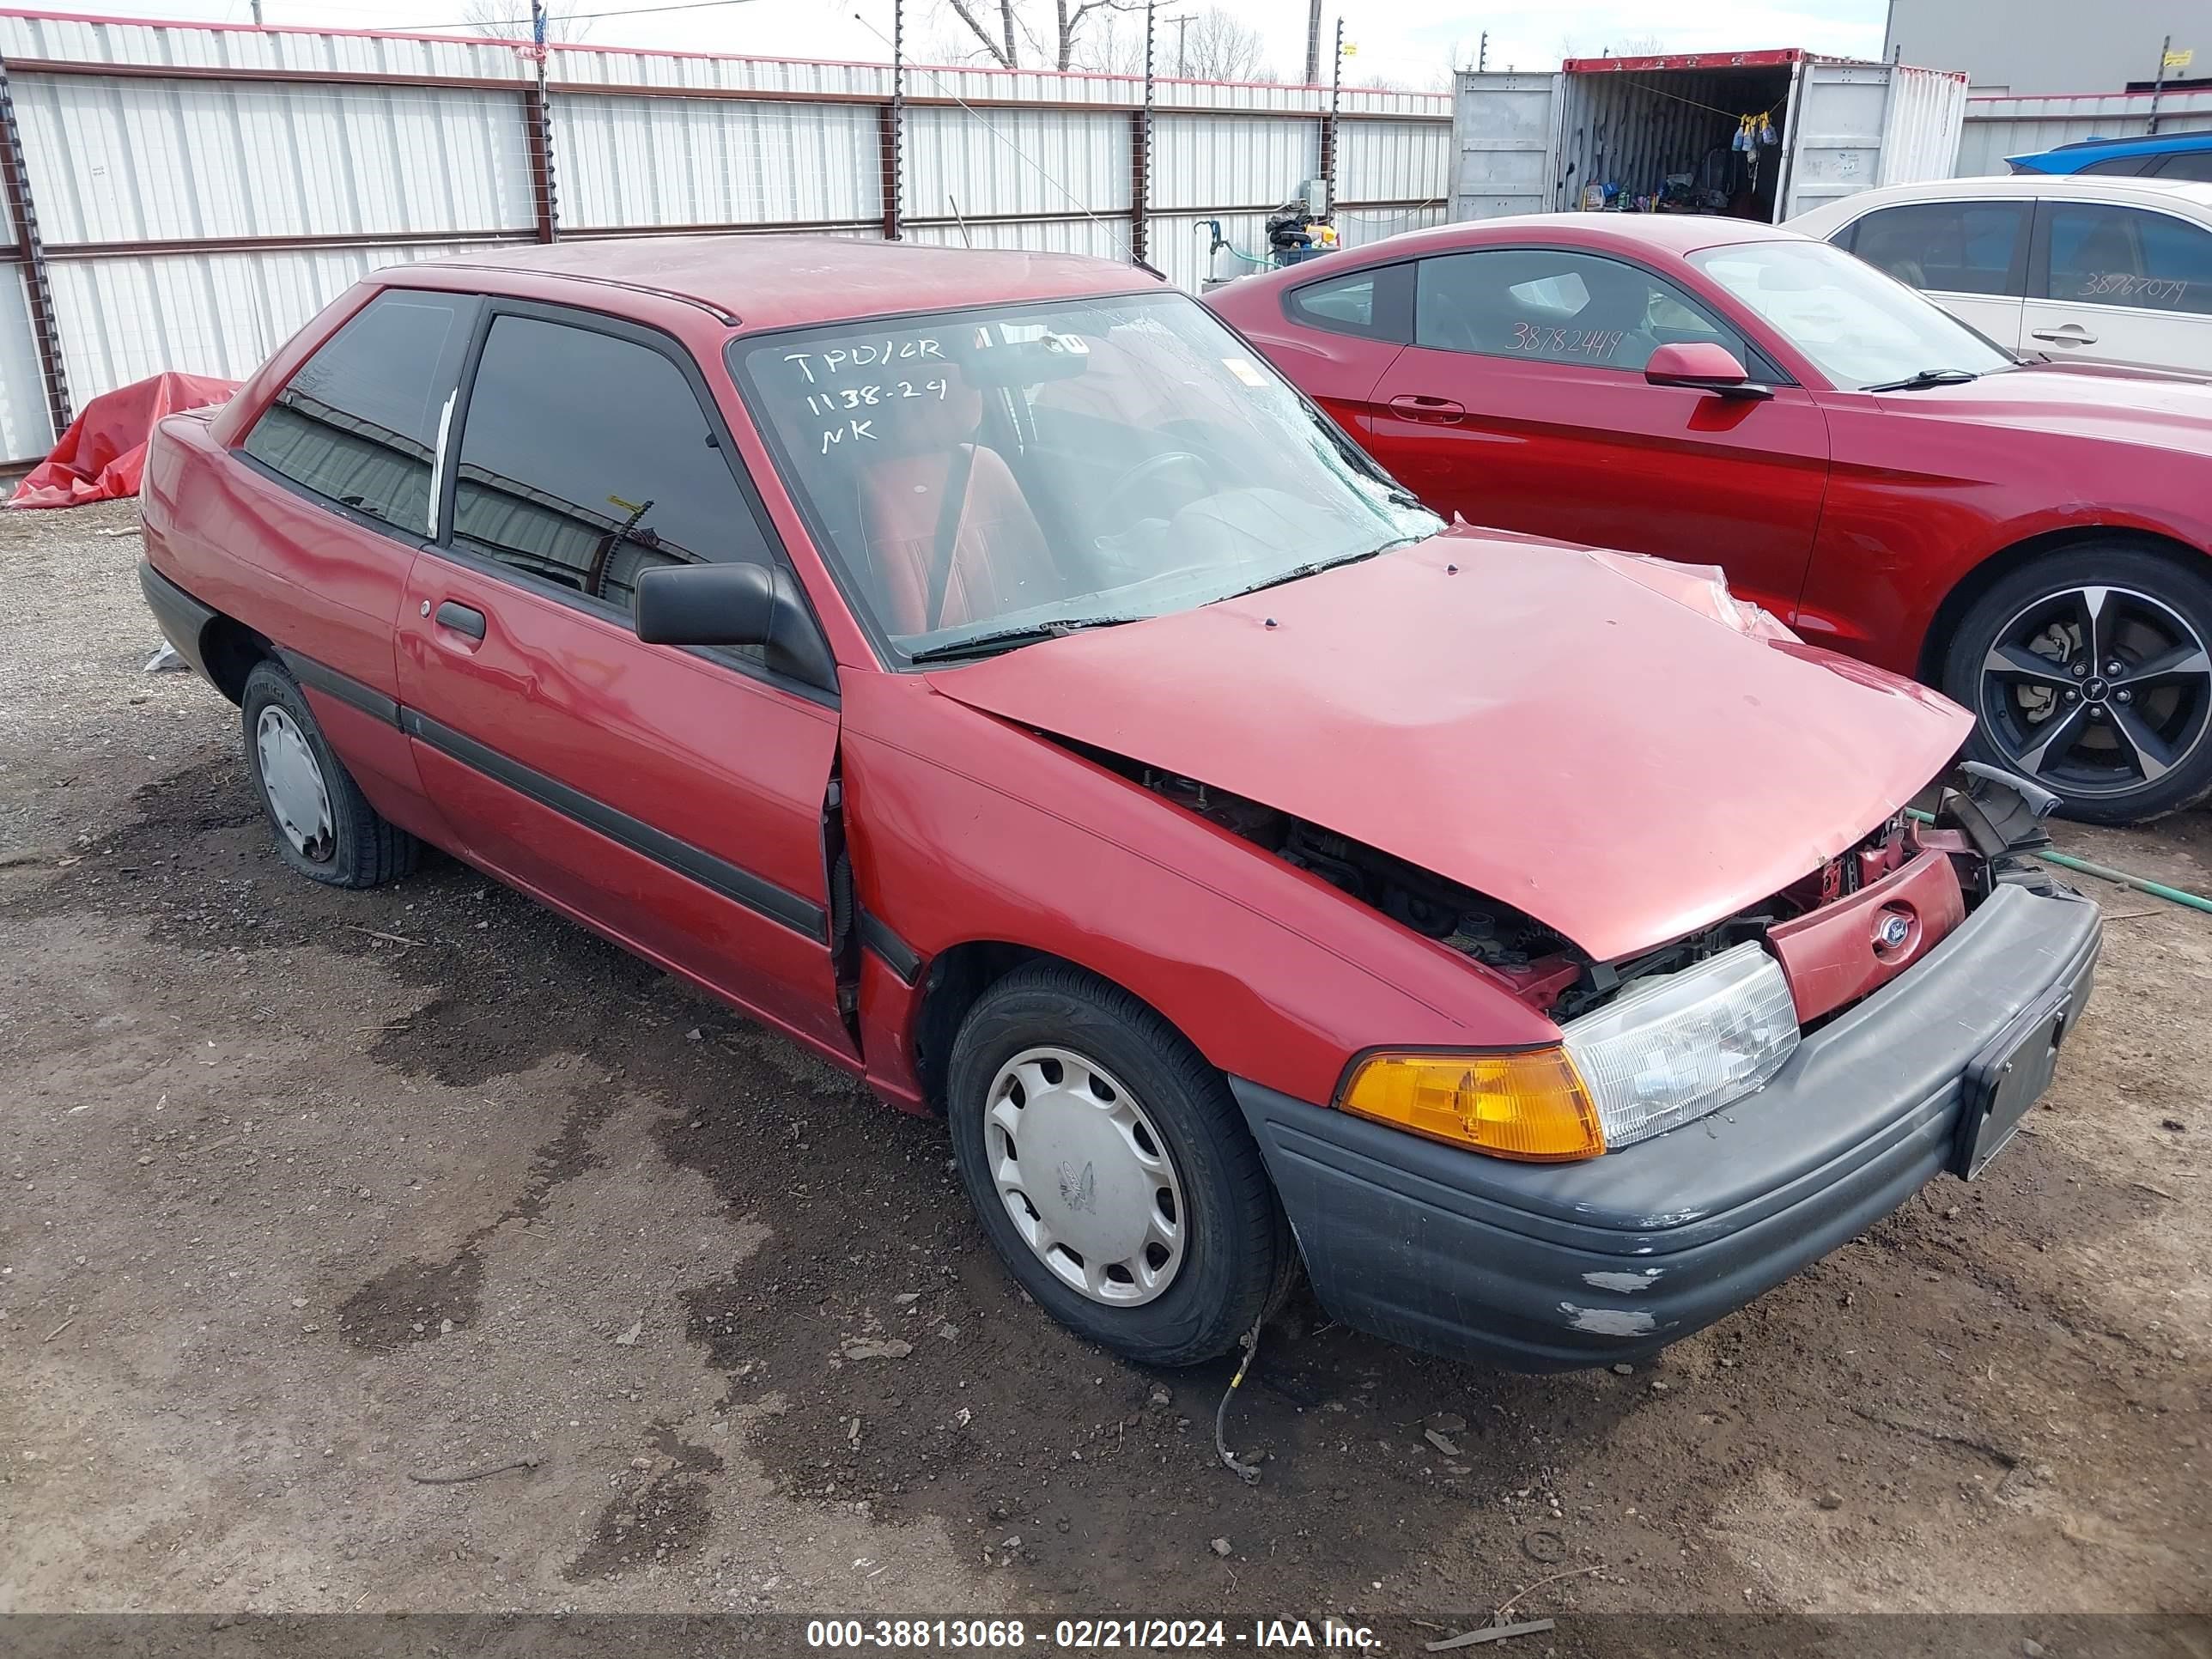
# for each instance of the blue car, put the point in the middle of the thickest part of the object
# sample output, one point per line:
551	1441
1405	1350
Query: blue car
2162	156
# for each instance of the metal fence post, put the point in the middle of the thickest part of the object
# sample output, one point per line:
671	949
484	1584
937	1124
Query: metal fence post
37	292
891	128
537	111
1141	155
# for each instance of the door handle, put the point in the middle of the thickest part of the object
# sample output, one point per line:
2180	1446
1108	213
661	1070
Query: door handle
461	619
1414	406
2069	334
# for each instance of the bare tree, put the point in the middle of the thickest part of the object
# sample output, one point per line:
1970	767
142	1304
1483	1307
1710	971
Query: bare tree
1215	46
1007	31
509	20
1002	47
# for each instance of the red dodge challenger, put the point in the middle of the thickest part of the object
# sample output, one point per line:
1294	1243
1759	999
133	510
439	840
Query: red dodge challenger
985	670
2033	538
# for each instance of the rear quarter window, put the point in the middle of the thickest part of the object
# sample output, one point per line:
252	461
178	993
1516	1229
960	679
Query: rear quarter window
357	424
1375	303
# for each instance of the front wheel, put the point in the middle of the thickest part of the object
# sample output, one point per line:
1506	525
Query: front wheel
1111	1169
2088	671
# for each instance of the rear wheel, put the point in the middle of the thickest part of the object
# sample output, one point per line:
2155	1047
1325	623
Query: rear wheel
2088	670
325	828
1111	1169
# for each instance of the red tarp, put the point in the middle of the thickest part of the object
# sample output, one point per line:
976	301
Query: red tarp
101	455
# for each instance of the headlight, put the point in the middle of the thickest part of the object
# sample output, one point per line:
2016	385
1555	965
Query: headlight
1677	1046
1671	1049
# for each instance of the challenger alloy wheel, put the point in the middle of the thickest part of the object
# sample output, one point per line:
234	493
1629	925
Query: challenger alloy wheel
2089	673
2097	690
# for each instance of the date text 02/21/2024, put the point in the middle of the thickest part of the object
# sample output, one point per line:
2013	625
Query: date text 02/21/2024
1257	1635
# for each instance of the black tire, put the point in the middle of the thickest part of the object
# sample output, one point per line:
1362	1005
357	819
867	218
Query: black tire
361	849
2136	749
1239	1258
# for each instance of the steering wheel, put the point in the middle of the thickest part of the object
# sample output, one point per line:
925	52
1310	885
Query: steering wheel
1153	465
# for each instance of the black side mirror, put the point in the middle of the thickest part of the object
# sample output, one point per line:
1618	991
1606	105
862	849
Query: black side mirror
732	604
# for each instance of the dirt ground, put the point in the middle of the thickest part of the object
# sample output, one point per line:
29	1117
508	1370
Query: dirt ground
305	1196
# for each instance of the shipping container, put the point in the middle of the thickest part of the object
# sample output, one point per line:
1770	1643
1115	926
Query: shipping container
1757	135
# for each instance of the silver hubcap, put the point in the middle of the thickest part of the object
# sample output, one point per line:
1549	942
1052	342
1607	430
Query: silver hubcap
294	784
1085	1176
2097	690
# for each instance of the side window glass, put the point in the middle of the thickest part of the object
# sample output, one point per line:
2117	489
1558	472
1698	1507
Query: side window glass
1371	302
1952	247
358	423
2191	164
2126	257
2125	165
1556	305
585	459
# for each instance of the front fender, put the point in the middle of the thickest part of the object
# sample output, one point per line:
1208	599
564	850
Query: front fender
964	827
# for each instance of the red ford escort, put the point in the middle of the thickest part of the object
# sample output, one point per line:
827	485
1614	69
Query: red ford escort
985	669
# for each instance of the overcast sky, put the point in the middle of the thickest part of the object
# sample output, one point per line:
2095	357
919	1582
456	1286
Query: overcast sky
1406	41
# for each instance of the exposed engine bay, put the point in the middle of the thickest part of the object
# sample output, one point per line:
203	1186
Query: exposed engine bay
1983	835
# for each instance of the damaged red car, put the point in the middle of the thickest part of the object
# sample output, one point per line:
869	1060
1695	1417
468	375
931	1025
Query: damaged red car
985	670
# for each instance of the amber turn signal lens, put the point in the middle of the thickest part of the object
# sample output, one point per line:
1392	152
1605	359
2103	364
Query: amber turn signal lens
1530	1105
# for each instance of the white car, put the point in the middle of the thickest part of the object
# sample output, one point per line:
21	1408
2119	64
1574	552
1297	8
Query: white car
2094	267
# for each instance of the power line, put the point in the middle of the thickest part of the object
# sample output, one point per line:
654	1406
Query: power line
570	16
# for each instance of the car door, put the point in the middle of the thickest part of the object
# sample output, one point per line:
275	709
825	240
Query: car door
1969	257
1522	404
335	487
672	798
2115	284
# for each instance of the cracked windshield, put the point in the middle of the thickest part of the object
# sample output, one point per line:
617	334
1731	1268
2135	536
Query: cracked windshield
983	478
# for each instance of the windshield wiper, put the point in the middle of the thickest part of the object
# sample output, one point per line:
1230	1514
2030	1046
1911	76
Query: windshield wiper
1924	378
1007	638
1299	572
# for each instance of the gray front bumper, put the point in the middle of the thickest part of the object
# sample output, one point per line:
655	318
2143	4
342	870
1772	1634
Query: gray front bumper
1538	1266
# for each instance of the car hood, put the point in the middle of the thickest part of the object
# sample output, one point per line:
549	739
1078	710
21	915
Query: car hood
1609	743
2154	407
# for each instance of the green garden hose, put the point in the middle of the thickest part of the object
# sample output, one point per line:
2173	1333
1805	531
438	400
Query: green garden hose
2105	872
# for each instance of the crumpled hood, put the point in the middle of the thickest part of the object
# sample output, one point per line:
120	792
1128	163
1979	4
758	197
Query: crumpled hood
1606	742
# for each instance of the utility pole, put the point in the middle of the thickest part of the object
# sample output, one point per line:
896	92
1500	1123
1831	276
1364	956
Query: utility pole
1182	54
1313	43
257	14
2158	87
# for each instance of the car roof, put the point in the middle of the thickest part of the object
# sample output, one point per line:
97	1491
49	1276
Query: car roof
2156	144
1674	233
2190	197
779	282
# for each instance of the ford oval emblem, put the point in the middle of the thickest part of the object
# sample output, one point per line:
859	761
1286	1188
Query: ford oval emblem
1892	931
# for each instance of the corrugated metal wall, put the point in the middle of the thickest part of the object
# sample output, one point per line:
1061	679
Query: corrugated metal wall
994	163
138	160
1998	127
203	188
658	162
